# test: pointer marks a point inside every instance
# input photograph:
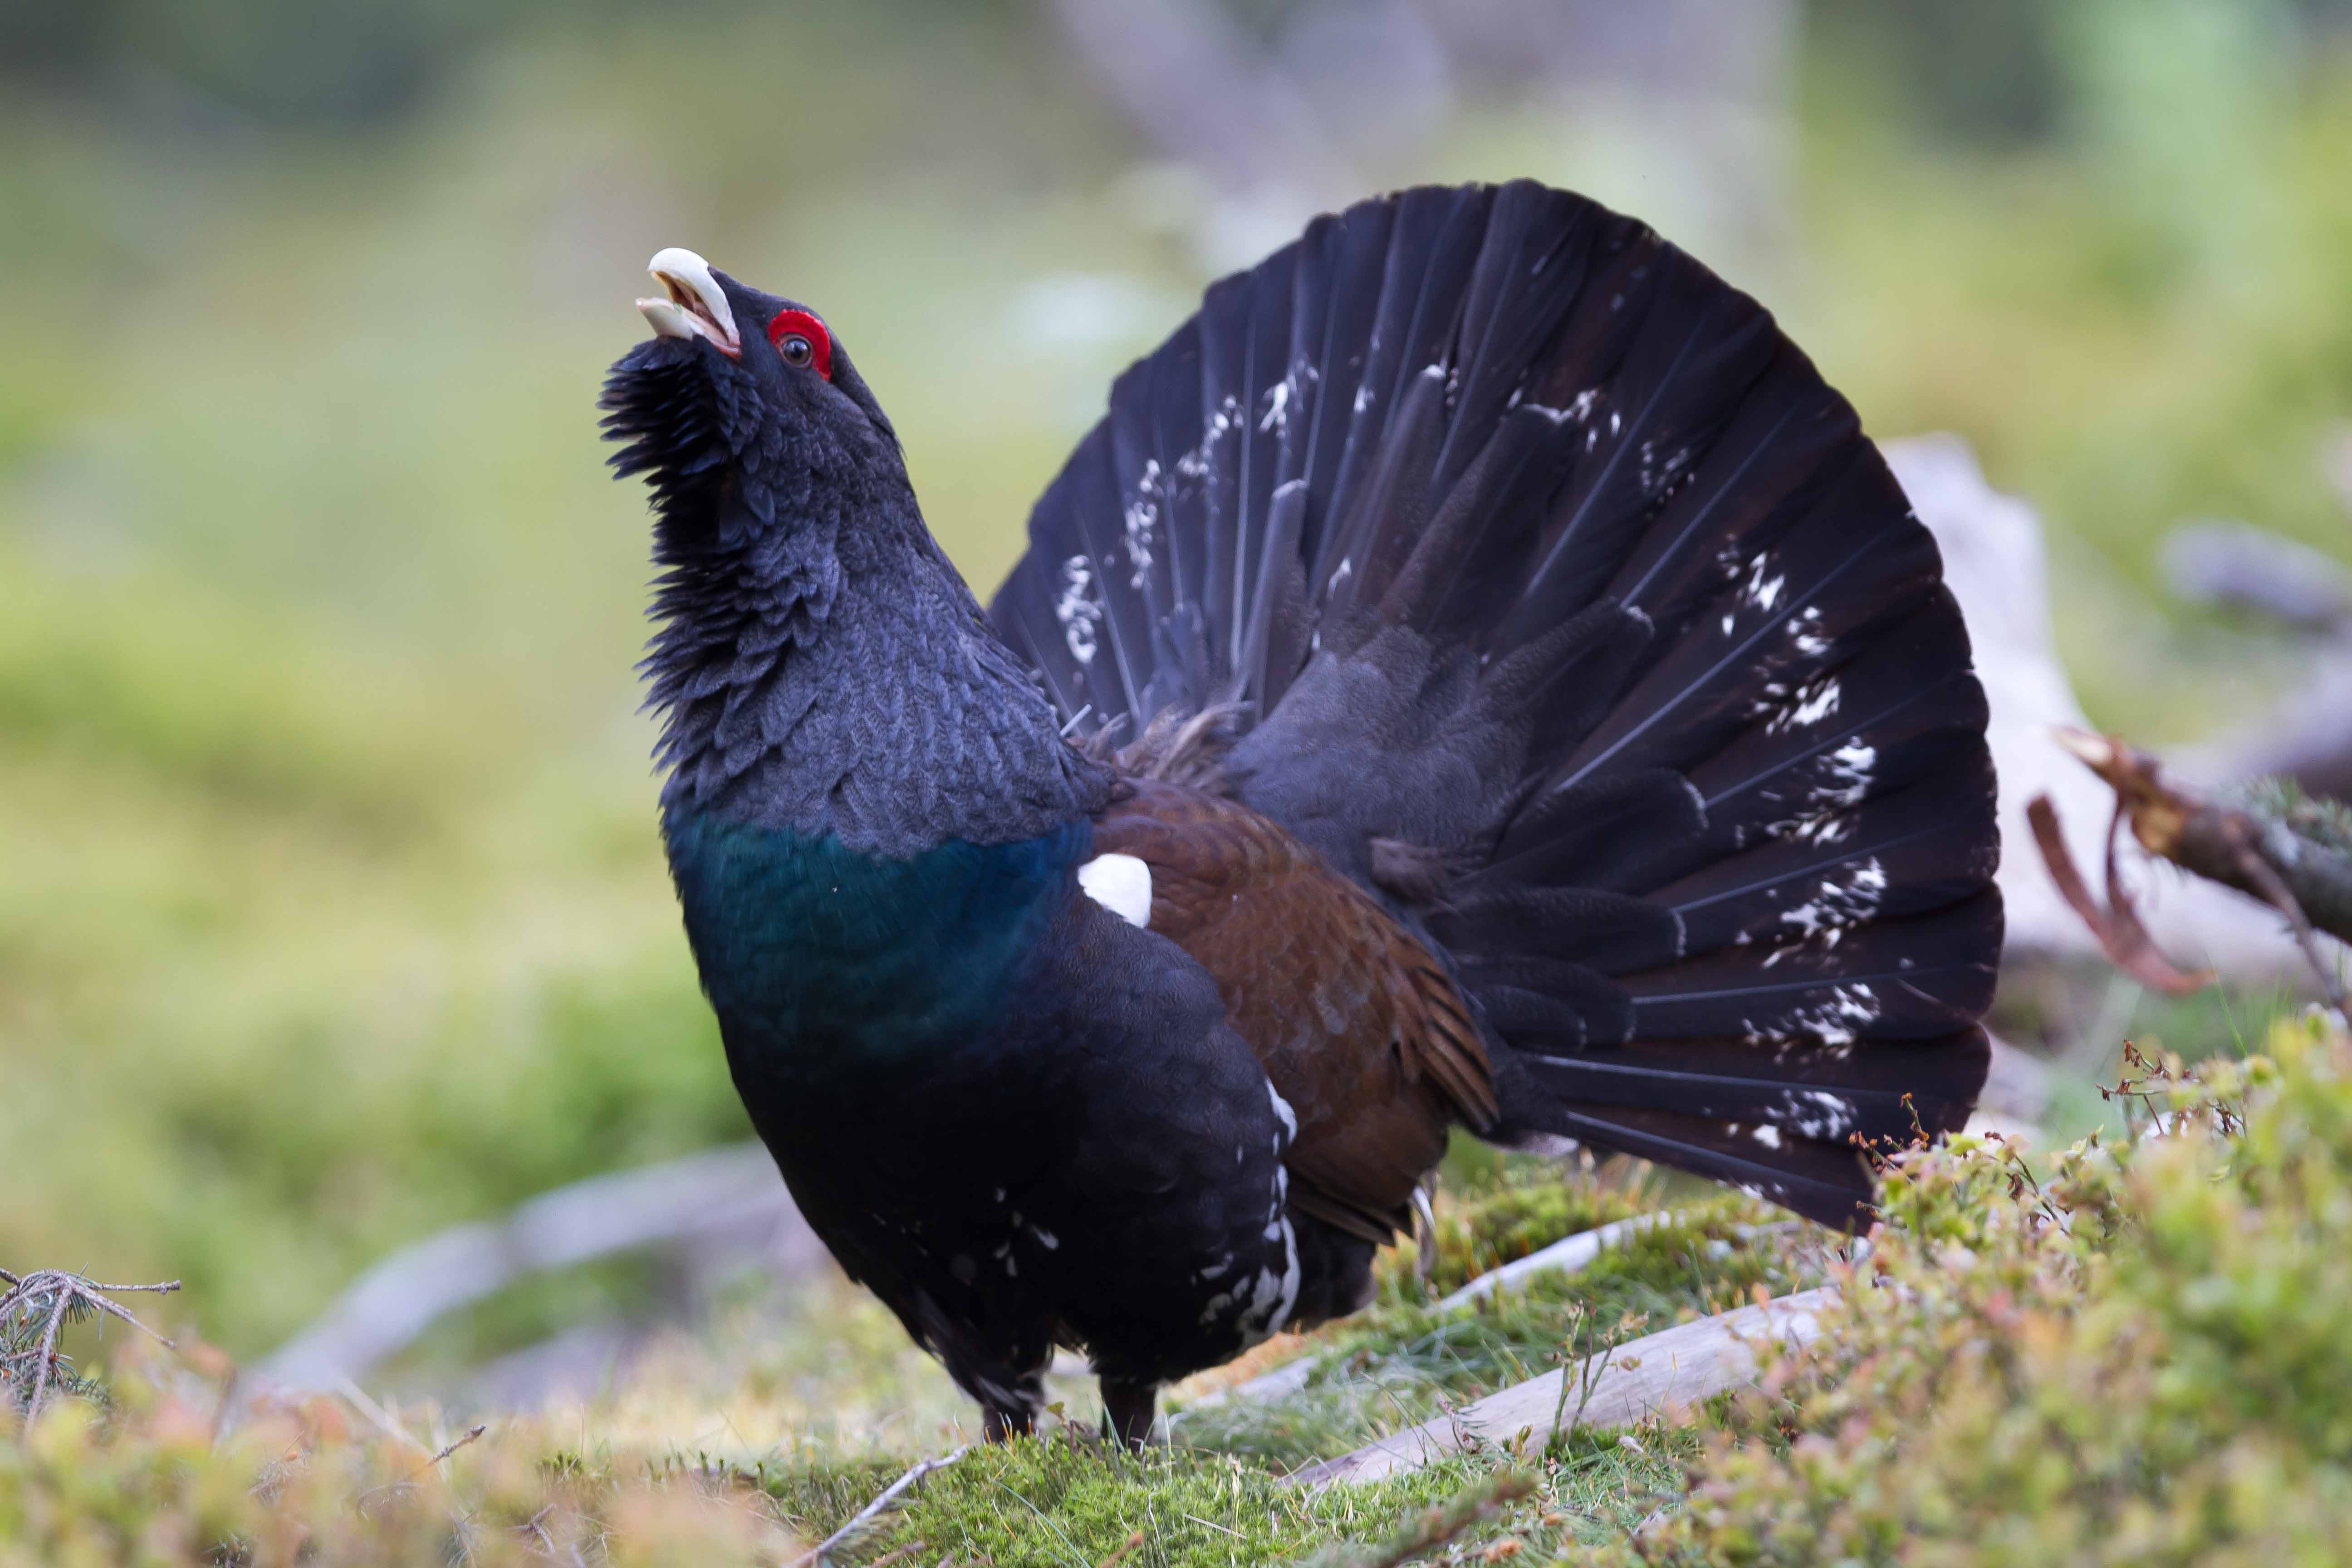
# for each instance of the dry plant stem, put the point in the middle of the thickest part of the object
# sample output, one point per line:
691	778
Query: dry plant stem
2307	882
866	1515
63	1293
1119	1556
358	1399
1440	1525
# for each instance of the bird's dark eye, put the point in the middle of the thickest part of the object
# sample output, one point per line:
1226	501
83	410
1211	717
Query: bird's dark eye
801	340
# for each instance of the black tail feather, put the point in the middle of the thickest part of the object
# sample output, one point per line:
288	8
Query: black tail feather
1517	534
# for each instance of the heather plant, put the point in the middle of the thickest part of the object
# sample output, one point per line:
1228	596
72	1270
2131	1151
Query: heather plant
2132	1351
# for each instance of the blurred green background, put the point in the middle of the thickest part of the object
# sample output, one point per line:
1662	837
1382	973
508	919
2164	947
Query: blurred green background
331	906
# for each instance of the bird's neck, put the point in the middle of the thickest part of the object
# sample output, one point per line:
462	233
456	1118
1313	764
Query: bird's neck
822	672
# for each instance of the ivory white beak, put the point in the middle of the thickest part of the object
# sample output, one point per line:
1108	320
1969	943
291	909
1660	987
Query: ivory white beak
697	307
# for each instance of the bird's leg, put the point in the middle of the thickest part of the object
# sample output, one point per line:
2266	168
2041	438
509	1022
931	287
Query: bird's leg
1130	1404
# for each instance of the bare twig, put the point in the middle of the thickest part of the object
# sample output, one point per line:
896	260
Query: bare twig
402	1483
872	1511
470	1435
50	1297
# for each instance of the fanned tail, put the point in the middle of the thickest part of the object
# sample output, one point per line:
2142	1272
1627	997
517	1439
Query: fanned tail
1566	606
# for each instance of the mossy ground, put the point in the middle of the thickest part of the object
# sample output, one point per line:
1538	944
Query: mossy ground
2130	1351
803	1417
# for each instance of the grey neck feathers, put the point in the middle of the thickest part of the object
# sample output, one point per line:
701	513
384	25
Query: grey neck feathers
830	673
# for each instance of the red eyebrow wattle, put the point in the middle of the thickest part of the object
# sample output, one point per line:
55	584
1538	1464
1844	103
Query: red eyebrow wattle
809	327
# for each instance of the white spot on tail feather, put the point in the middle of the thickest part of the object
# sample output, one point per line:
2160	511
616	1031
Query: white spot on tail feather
1841	782
1836	1021
1804	630
1818	1113
1839	903
1783	708
1076	610
1191	465
1846	774
1142	520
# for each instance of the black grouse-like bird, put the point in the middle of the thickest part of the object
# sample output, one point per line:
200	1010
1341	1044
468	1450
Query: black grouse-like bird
1476	674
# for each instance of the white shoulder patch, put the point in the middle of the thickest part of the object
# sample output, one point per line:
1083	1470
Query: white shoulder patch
1121	884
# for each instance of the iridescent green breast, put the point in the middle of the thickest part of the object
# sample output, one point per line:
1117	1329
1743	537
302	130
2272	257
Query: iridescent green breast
817	955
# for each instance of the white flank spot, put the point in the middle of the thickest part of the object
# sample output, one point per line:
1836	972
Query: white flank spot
1121	884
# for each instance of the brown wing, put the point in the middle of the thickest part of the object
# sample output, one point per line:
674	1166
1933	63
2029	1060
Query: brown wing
1356	1025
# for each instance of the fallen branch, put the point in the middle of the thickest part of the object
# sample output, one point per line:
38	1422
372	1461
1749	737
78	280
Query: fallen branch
35	1310
2234	565
1654	1375
872	1511
729	1198
1569	1255
2285	852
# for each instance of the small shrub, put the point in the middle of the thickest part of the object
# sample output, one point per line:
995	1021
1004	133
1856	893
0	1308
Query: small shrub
2135	1354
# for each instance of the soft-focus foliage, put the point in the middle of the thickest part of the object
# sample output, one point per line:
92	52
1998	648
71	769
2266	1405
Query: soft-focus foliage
151	1481
2130	1354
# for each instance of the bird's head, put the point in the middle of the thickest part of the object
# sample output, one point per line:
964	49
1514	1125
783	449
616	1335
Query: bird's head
743	406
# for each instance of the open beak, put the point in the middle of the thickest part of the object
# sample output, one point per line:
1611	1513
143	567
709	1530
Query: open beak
695	307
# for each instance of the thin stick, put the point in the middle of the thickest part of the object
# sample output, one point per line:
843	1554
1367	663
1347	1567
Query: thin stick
469	1436
378	1415
867	1514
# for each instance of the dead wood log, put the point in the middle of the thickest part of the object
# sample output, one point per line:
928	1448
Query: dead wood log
726	1200
1660	1375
